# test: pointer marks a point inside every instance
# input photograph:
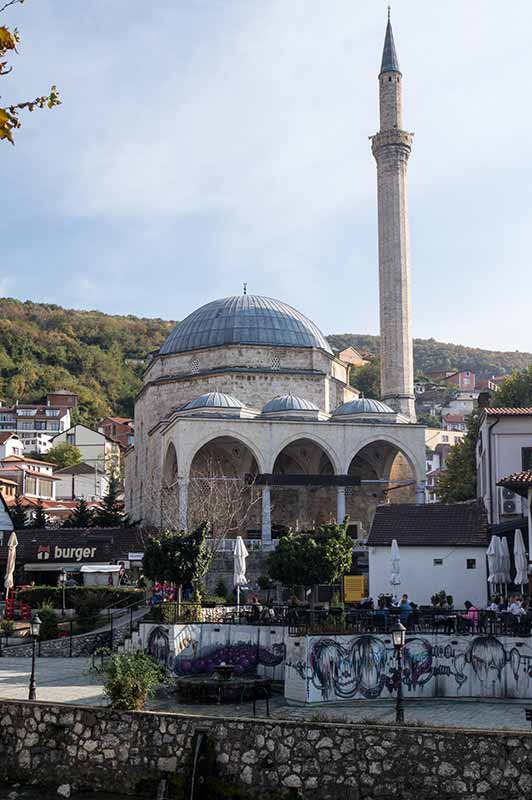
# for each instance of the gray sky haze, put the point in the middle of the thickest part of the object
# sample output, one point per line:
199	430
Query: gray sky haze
202	143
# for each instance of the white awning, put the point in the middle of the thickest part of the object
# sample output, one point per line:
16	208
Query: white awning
50	566
102	568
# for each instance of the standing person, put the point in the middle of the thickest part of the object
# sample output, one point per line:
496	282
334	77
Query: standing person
405	609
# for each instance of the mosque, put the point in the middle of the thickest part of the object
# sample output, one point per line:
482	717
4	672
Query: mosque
246	411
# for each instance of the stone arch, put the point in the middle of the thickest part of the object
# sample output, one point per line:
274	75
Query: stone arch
170	470
208	438
221	489
303	507
384	460
316	440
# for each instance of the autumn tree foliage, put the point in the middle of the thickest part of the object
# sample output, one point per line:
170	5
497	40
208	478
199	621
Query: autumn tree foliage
9	115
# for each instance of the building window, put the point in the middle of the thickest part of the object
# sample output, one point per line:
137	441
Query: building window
25	426
276	362
194	366
52	412
526	457
471	563
26	412
437	562
444	438
71	438
53	426
40	426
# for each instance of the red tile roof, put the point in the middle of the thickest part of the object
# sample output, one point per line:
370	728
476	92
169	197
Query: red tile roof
432	524
454	418
518	482
509	412
25	460
5	435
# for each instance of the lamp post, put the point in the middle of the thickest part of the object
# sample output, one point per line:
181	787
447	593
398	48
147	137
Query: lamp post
35	627
62	584
399	638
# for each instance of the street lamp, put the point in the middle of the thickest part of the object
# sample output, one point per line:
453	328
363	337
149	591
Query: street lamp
62	583
35	627
398	639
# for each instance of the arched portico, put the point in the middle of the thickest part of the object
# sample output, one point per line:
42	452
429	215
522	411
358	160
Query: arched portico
387	474
221	488
302	496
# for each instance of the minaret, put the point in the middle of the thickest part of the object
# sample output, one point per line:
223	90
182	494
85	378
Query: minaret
391	148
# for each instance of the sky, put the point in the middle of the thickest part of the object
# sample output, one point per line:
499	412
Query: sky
203	143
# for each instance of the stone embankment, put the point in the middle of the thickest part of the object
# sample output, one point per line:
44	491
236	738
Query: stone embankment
100	748
83	644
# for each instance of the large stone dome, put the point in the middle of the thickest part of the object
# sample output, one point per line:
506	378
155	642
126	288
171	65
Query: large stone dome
244	319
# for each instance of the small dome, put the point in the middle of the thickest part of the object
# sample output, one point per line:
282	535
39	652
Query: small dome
288	402
213	400
244	319
364	405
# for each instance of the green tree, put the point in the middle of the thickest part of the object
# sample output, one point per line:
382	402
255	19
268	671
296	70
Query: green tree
9	116
19	514
177	556
64	455
309	559
367	379
111	514
515	391
40	518
81	517
458	481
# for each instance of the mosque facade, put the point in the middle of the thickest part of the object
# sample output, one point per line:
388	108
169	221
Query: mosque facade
247	417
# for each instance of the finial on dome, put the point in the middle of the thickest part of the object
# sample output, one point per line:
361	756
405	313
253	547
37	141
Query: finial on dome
245	288
389	12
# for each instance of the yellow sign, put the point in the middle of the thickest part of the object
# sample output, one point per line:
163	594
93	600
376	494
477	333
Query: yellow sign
354	588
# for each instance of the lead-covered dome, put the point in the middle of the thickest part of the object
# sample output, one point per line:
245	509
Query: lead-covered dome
213	400
244	319
288	403
363	405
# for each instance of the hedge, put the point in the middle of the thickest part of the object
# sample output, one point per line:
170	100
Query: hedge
76	596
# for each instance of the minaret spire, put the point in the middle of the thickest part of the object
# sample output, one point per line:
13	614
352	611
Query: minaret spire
391	148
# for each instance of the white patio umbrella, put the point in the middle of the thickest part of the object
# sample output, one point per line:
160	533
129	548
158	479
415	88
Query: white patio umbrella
395	572
493	556
239	568
11	559
506	564
520	559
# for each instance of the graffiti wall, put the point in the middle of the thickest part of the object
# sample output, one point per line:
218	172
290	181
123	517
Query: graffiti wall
325	669
196	649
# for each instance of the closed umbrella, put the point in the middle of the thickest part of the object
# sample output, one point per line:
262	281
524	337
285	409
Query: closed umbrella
239	567
492	554
506	563
11	559
395	572
520	559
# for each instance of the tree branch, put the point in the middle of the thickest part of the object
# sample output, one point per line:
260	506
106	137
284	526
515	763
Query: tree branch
11	3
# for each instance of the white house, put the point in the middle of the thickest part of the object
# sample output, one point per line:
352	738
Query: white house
504	446
81	481
440	547
10	445
97	450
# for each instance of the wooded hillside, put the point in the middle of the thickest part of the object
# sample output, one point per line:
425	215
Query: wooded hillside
45	347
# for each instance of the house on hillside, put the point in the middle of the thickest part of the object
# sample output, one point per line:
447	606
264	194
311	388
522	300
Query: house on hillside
10	445
119	429
33	478
37	423
96	449
81	481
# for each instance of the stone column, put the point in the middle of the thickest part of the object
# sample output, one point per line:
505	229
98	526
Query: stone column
421	497
340	504
266	517
183	503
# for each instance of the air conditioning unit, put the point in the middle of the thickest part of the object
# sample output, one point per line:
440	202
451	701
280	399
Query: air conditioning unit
509	503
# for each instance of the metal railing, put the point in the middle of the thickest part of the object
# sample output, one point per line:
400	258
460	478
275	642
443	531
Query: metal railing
302	620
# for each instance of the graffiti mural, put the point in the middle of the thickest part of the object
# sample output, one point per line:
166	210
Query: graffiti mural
159	644
344	667
246	657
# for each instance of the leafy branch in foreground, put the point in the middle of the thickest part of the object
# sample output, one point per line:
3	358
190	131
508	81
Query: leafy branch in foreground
9	115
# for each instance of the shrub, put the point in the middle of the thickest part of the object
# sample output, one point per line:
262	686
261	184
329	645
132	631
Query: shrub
220	589
129	679
88	610
48	619
107	596
7	626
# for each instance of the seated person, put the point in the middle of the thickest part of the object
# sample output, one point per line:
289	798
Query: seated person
405	609
469	620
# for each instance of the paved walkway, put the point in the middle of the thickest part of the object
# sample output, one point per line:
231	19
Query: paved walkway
69	680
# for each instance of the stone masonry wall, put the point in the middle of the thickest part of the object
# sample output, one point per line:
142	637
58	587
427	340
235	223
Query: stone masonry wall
98	748
84	644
